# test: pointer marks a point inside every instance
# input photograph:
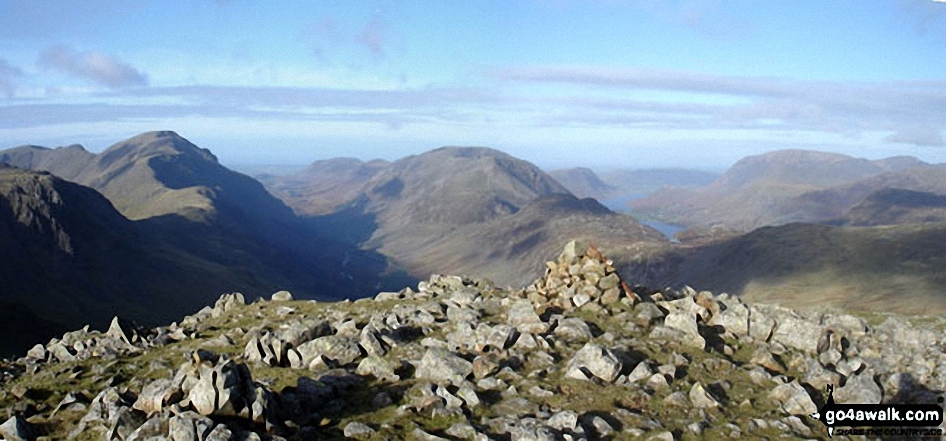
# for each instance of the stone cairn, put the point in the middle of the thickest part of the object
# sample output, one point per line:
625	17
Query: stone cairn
579	276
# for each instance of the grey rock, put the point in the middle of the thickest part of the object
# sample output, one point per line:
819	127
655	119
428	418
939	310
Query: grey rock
219	433
564	420
485	365
686	322
502	336
573	250
677	399
522	315
126	421
377	367
370	341
155	427
581	299
796	424
793	398
761	324
157	394
641	371
849	367
593	360
859	389
572	329
469	396
357	430
647	314
658	382
610	281
797	333
735	319
281	296
600	427
700	398
818	377
421	435
15	429
189	426
439	365
37	352
661	436
341	350
462	431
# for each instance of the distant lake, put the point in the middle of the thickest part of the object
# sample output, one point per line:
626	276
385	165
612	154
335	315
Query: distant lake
619	205
668	230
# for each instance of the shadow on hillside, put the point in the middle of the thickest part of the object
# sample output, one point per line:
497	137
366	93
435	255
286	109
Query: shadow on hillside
315	258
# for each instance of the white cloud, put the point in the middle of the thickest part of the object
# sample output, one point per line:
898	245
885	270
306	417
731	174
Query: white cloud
94	66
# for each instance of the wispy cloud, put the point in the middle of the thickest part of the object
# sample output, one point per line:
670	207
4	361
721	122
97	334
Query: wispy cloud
98	67
8	74
597	99
917	136
764	103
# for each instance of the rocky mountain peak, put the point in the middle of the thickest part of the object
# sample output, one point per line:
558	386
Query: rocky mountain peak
577	355
159	143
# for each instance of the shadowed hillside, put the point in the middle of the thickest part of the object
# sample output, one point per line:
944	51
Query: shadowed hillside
887	268
893	206
68	258
181	196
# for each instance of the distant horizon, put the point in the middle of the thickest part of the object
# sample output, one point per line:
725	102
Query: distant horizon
686	83
304	162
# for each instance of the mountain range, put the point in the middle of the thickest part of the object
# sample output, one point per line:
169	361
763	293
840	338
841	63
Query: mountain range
788	186
165	215
87	236
458	210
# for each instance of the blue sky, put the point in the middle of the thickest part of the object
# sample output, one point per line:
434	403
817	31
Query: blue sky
600	83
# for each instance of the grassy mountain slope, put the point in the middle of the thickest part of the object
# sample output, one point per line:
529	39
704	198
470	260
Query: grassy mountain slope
890	268
457	210
503	247
894	206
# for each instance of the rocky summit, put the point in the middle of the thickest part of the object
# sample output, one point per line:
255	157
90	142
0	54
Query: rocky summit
578	354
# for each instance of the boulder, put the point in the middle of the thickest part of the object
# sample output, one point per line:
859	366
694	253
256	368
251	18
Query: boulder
281	296
522	315
341	350
793	399
442	366
859	389
699	398
15	429
798	333
685	321
593	361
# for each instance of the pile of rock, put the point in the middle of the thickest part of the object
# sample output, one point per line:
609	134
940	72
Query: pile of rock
580	275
